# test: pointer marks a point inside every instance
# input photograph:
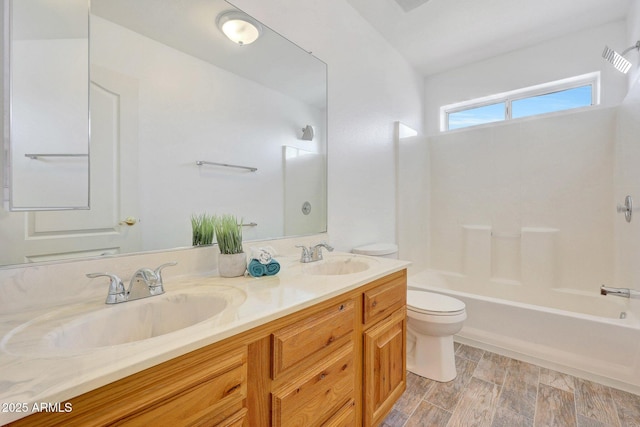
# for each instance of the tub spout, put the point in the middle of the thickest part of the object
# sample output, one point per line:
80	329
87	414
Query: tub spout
619	292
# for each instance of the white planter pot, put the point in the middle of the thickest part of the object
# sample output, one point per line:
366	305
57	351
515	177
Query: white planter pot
232	265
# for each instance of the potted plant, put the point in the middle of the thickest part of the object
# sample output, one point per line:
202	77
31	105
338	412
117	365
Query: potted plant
202	229
232	261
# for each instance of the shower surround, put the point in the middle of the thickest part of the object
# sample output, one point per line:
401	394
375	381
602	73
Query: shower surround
523	228
527	203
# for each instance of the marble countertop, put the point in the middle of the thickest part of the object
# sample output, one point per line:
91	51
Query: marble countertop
30	373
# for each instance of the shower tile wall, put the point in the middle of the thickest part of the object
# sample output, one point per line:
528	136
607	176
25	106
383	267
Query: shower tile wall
528	201
627	182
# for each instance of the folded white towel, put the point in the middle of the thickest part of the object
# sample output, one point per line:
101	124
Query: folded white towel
263	255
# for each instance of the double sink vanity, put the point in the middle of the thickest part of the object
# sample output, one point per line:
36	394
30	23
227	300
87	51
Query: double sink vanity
321	343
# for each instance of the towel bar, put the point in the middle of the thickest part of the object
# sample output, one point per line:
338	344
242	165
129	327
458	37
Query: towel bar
36	156
202	162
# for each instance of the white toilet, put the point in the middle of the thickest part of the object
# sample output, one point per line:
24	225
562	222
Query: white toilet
432	320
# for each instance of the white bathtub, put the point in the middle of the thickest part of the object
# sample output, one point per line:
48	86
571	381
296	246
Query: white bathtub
569	331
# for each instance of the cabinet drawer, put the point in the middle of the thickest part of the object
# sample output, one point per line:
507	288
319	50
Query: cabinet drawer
345	417
329	328
211	402
238	419
312	399
200	388
386	298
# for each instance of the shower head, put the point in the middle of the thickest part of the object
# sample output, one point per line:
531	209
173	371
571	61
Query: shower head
307	133
617	59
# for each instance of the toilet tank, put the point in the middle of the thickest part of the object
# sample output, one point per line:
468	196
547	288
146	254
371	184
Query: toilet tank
385	250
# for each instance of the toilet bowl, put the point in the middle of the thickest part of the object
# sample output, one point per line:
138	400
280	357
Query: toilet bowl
432	320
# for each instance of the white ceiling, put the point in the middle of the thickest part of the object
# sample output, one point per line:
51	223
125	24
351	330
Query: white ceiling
437	35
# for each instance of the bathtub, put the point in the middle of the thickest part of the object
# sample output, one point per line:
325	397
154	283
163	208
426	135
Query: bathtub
583	334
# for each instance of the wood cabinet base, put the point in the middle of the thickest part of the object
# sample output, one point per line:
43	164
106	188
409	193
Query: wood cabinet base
338	363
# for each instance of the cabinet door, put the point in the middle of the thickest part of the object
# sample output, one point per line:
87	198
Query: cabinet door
384	366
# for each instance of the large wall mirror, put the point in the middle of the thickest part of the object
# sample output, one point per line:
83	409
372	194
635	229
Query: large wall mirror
175	106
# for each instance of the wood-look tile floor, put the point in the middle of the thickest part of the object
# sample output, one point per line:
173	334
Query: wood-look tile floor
496	391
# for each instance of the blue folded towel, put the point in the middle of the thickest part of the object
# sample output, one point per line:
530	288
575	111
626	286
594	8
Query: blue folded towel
273	267
256	269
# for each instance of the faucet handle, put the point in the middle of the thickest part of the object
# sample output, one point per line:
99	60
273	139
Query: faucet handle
158	287
306	253
316	251
158	270
116	287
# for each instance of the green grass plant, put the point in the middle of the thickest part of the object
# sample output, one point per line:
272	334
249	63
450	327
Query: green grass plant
228	233
202	227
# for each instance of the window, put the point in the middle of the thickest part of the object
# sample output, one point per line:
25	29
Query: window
576	92
477	116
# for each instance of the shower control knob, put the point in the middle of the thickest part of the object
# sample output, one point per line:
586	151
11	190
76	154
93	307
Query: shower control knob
627	208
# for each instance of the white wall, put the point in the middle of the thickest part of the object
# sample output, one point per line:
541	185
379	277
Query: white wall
413	201
632	36
568	56
370	87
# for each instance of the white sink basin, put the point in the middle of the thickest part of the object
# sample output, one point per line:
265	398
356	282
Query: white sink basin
84	327
339	265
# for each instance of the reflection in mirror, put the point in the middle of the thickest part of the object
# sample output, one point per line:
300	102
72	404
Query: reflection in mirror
167	90
48	127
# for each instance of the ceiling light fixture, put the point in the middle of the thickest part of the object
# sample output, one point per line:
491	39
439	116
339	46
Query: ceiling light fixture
239	27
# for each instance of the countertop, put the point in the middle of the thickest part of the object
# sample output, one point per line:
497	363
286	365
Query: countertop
30	374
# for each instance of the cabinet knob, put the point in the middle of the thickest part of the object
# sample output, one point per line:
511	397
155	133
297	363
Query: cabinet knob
375	303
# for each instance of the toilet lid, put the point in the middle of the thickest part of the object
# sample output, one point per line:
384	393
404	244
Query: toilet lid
376	249
429	302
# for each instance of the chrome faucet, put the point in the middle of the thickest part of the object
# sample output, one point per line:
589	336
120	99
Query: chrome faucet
116	294
151	279
313	253
619	292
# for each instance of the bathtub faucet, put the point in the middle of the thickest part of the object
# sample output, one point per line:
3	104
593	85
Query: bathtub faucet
619	292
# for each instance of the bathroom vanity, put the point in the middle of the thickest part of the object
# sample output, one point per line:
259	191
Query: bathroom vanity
310	346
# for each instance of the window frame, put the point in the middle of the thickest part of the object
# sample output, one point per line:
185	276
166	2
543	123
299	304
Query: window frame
507	98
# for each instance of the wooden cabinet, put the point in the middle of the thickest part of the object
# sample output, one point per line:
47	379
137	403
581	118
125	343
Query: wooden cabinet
313	363
339	363
204	387
384	368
